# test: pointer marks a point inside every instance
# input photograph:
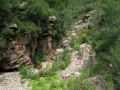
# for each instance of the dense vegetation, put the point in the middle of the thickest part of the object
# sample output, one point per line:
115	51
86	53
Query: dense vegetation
105	37
32	21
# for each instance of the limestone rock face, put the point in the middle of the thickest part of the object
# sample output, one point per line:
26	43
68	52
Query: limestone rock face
16	54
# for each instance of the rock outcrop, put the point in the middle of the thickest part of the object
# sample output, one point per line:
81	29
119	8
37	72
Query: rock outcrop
16	54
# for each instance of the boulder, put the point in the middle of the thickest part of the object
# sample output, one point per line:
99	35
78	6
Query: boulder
52	18
33	72
14	26
45	66
77	74
73	34
60	50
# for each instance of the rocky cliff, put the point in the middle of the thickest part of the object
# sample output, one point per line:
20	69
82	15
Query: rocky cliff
16	54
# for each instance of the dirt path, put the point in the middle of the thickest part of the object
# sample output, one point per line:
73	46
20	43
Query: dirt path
77	62
12	81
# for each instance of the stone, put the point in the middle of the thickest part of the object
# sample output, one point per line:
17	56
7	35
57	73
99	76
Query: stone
45	66
54	58
60	50
79	22
52	18
73	34
14	26
22	5
66	43
77	74
111	65
33	72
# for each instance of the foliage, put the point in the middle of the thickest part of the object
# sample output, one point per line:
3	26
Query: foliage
23	71
105	38
38	11
47	83
77	84
80	83
39	57
32	21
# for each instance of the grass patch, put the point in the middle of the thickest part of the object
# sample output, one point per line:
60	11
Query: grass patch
63	61
23	71
79	83
48	80
39	57
47	83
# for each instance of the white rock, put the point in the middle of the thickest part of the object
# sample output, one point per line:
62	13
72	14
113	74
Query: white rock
14	25
33	72
77	73
46	65
73	34
52	18
60	50
111	65
22	5
65	41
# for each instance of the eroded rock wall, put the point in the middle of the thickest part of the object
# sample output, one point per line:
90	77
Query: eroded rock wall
17	53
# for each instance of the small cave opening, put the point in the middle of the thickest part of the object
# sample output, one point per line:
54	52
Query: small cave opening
6	67
2	70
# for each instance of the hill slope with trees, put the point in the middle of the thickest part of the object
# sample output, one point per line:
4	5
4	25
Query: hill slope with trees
32	30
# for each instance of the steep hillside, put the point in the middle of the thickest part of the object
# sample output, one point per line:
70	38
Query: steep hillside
59	44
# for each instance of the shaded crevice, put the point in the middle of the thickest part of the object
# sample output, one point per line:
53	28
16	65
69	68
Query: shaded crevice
2	70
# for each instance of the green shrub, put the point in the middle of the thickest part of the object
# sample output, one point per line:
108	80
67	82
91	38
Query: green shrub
78	84
47	83
104	36
23	71
38	9
39	57
29	28
62	62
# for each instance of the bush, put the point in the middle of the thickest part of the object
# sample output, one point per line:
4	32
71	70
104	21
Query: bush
38	9
23	71
104	36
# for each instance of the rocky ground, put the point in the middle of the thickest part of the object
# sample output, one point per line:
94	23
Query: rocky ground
77	62
12	81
